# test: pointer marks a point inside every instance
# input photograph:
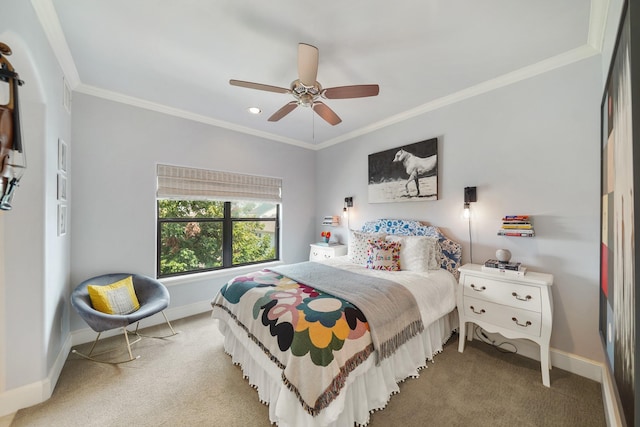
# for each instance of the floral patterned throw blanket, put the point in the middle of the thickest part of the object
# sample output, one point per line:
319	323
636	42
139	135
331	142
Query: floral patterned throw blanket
316	330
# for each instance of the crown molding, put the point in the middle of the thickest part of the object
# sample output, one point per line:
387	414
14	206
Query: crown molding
161	108
597	23
524	73
51	25
521	74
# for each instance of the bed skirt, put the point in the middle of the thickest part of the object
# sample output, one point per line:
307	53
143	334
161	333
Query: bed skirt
368	388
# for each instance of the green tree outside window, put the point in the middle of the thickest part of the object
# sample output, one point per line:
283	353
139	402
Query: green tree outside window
200	235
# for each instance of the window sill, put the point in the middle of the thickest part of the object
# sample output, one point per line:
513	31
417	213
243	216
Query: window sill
235	271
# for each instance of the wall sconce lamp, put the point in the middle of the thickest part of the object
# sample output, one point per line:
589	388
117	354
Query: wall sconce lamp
470	196
348	203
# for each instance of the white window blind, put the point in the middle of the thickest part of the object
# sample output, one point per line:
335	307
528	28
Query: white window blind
176	182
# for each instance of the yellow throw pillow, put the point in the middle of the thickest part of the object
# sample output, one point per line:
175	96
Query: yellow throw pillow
116	298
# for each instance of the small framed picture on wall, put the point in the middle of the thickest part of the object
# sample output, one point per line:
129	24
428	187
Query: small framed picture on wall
62	187
62	220
62	155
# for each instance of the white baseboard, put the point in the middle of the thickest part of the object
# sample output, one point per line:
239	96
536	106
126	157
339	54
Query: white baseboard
578	365
566	361
609	399
32	394
22	397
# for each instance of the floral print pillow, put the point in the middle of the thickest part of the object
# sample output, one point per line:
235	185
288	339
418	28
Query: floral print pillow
382	255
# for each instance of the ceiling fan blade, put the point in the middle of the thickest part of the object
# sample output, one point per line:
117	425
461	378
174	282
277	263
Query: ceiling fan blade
326	113
356	91
258	86
307	64
283	111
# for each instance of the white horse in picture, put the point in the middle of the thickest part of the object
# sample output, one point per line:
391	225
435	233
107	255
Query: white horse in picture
415	166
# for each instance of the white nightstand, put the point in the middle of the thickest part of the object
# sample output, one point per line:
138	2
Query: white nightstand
320	252
512	305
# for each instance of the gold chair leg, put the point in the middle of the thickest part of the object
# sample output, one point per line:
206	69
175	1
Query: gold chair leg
91	357
94	343
173	332
126	337
169	323
139	336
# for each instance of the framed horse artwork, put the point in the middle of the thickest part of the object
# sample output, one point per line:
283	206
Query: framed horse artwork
404	174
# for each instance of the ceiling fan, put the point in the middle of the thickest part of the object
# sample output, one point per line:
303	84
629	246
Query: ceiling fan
306	90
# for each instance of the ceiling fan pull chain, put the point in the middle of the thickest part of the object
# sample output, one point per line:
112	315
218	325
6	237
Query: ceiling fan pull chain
313	126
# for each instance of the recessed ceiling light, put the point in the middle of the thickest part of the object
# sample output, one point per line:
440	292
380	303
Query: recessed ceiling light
254	110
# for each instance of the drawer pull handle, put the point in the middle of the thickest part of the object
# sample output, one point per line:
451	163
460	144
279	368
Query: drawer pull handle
518	297
480	289
524	325
477	312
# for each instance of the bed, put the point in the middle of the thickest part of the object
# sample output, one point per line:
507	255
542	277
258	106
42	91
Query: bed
327	343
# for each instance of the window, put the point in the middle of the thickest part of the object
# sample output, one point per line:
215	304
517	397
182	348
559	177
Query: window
200	231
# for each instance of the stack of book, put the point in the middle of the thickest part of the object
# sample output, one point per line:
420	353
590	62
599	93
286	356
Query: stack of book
516	225
496	266
331	220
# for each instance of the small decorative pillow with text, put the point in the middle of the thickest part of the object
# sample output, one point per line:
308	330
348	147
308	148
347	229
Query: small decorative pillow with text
358	246
116	298
383	255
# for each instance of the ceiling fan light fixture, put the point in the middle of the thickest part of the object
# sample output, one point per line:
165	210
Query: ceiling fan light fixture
306	90
305	95
254	110
305	100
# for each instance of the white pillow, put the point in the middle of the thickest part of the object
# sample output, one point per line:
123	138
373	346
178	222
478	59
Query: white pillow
358	245
418	253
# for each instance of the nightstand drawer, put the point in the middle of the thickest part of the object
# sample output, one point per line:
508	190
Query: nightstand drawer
522	321
320	253
507	293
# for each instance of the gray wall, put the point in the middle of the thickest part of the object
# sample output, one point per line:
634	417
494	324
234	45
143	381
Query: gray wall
35	266
530	148
116	149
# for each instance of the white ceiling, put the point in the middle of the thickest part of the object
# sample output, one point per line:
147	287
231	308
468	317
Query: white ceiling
178	56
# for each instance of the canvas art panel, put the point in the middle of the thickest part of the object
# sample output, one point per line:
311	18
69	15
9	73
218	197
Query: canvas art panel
618	238
408	173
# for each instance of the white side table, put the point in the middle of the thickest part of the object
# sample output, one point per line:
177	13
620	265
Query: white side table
320	252
514	306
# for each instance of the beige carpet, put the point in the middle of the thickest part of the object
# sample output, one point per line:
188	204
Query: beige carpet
188	380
